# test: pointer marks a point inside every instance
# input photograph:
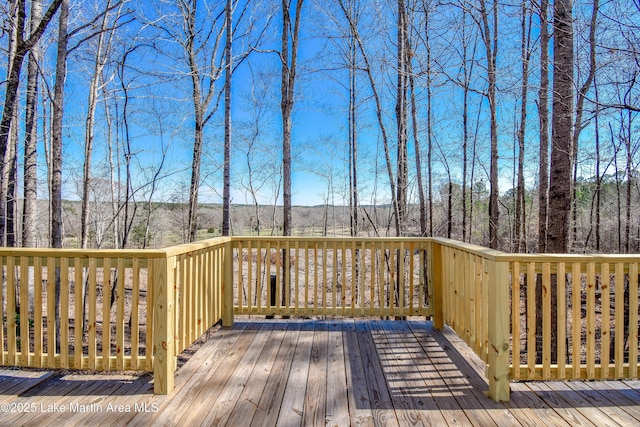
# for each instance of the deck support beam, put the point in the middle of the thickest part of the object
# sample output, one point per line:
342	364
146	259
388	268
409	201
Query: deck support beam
498	355
164	357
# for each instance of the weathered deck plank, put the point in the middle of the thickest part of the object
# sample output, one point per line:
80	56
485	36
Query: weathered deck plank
309	372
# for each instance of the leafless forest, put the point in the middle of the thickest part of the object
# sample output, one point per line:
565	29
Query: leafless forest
140	124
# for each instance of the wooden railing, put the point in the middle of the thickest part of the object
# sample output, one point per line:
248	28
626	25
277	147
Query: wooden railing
526	316
541	317
97	329
331	276
583	322
474	288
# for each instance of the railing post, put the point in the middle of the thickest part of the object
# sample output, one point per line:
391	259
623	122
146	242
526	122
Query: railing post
163	325
436	282
498	355
227	286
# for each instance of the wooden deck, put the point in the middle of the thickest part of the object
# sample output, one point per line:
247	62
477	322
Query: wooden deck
312	373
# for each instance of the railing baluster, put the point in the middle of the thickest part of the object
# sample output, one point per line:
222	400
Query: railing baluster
619	319
51	314
37	312
24	311
515	319
64	313
561	320
546	320
576	293
531	319
605	335
633	320
591	319
120	316
135	314
11	311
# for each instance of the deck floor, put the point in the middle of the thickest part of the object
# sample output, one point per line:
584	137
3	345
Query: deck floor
312	373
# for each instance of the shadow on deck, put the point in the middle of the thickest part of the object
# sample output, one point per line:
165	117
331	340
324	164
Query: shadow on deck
312	372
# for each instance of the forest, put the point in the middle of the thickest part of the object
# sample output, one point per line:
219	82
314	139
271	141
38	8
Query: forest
512	125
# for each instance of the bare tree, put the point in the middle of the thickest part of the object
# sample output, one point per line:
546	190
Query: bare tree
543	114
562	128
21	48
228	70
289	58
525	52
31	136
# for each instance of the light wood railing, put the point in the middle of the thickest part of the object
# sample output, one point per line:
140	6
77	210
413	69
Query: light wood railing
574	316
105	315
541	317
474	287
332	276
527	317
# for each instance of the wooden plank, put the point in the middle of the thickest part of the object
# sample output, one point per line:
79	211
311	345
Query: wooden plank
619	320
360	413
11	312
246	407
78	312
357	290
315	400
530	409
268	408
591	319
546	320
164	325
561	306
564	408
441	377
605	335
337	402
120	318
194	373
604	402
151	280
192	407
24	312
576	308
92	317
250	292
407	361
498	357
106	312
37	312
51	317
515	317
64	312
296	261
259	275
135	314
379	397
372	284
334	277
531	320
291	410
633	320
221	408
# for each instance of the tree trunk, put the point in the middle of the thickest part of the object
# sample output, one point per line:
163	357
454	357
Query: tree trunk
543	114
30	177
520	208
401	116
226	191
21	47
490	38
562	129
289	56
